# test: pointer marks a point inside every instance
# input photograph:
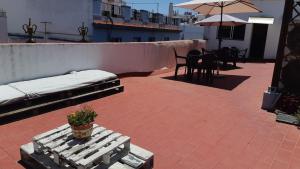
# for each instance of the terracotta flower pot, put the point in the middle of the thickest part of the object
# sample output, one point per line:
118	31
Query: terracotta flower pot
83	131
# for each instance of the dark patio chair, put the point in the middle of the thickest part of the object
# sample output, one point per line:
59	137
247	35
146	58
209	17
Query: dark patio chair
181	61
224	55
192	62
209	65
242	54
203	50
234	55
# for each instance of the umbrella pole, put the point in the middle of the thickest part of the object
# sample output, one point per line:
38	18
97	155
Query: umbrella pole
221	27
220	36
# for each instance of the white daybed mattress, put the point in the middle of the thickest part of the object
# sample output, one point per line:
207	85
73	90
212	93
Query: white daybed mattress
9	95
39	87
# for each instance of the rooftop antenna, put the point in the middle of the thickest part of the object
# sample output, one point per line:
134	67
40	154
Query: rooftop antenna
45	29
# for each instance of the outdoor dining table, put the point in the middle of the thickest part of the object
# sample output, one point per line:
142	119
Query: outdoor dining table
193	62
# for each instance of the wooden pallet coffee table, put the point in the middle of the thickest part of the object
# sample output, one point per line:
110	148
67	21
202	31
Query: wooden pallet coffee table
57	149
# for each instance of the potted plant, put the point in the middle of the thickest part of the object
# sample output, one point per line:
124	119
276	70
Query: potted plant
81	122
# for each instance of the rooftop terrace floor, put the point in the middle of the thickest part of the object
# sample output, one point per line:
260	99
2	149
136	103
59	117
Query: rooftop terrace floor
186	125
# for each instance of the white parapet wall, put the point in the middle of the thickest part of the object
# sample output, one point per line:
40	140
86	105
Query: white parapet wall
20	62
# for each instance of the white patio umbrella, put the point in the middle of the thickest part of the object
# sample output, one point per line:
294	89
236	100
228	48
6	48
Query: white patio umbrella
213	7
228	20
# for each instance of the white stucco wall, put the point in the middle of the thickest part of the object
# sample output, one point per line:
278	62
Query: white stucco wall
65	15
270	8
29	61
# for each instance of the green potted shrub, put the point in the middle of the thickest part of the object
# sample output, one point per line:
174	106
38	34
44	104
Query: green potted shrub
81	122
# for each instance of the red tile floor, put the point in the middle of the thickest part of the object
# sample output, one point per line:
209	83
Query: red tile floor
186	125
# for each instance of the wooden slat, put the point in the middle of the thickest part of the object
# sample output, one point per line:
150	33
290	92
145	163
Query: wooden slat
57	135
40	136
54	136
118	88
132	161
76	148
94	147
52	144
140	152
119	165
88	162
76	142
68	137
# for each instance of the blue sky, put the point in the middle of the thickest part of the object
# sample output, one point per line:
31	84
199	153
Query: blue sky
163	5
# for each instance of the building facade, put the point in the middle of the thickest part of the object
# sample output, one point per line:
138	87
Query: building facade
118	22
107	20
189	30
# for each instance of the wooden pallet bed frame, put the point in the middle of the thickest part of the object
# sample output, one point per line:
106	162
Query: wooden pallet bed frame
106	149
99	90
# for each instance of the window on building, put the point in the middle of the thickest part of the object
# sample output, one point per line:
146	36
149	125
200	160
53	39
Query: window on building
225	32
232	32
151	39
137	39
239	32
116	10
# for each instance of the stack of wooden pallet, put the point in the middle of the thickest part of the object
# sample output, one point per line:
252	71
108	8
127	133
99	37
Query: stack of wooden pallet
57	149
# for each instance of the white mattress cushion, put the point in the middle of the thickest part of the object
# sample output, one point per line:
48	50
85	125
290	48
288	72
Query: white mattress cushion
93	76
9	95
38	87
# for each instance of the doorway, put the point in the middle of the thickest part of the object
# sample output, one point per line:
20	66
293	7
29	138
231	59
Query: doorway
258	42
